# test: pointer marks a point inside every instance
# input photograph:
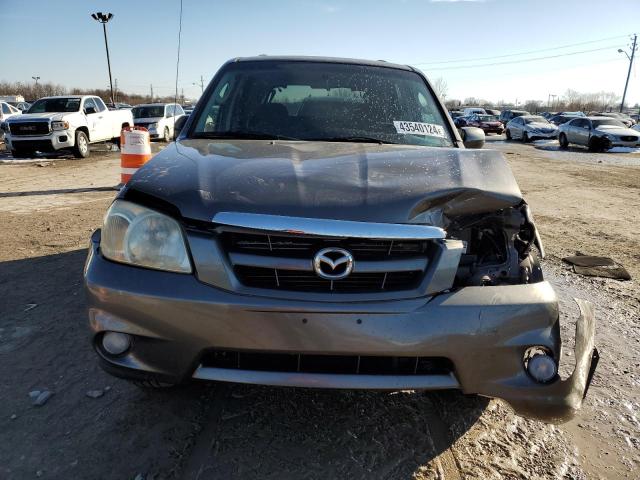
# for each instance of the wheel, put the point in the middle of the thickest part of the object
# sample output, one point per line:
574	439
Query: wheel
564	143
596	144
81	150
508	134
525	137
21	153
167	135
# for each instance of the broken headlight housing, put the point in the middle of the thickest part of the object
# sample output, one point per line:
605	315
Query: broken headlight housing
137	235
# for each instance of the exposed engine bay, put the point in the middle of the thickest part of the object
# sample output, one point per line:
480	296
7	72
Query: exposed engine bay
499	248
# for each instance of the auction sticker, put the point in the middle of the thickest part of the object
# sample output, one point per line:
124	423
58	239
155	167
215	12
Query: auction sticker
418	128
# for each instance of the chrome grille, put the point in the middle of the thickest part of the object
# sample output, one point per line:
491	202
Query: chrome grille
284	262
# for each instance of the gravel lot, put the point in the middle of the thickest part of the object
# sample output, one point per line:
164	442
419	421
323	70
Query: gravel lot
582	201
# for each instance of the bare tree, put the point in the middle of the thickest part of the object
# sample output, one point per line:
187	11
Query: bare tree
441	87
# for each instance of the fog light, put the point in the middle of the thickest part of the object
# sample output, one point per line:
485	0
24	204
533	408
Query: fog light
542	367
116	343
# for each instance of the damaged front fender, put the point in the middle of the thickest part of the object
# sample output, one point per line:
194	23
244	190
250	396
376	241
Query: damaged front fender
559	401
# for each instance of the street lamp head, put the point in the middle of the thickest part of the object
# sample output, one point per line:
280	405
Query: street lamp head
620	50
102	17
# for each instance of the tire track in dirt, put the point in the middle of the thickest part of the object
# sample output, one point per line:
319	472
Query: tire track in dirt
196	466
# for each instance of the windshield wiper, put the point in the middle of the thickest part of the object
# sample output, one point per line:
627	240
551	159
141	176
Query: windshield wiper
242	135
354	139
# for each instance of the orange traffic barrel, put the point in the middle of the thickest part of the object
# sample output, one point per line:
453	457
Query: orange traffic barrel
135	151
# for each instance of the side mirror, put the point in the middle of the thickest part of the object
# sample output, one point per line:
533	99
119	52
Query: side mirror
180	122
472	137
89	110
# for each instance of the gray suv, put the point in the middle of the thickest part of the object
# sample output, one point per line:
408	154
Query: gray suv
319	223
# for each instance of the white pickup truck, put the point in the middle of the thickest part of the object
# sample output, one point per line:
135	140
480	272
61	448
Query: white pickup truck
64	123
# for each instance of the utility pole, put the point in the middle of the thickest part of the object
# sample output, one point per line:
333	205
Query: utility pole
633	52
201	84
115	98
103	18
152	93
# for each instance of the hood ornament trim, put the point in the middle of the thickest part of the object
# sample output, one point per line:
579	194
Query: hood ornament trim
328	227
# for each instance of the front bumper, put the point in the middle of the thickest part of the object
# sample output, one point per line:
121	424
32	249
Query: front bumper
543	135
484	331
57	140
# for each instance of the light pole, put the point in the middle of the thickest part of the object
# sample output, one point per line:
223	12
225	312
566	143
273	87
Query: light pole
103	18
201	84
36	80
633	52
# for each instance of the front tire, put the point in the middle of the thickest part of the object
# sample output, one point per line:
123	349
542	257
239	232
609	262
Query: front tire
22	153
81	148
564	143
508	134
167	135
525	138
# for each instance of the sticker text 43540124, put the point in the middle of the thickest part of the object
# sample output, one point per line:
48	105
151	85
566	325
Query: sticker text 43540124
419	128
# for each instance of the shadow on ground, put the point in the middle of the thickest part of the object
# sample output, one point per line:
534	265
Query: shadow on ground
196	431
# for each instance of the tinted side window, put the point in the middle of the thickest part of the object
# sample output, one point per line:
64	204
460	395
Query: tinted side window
5	108
89	103
100	106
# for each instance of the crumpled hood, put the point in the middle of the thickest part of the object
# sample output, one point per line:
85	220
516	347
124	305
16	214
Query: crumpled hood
346	181
613	130
147	119
30	117
542	126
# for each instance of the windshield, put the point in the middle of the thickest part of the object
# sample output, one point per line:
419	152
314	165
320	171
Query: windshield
488	118
535	120
324	102
54	105
148	111
608	122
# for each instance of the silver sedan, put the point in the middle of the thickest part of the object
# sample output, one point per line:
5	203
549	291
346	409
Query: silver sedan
530	127
597	133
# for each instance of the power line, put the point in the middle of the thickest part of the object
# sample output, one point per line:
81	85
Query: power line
510	62
520	53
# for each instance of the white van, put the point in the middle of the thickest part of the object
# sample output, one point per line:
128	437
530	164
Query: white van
472	110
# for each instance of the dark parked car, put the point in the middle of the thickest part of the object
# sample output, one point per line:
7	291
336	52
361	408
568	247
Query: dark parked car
558	120
492	111
507	115
488	123
623	117
320	223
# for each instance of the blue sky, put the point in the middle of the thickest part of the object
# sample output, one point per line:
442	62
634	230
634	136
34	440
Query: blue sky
58	41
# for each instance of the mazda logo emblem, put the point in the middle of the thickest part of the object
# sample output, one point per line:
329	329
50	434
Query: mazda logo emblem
333	263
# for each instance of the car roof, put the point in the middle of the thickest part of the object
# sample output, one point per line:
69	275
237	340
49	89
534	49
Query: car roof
302	58
154	104
66	96
531	116
600	118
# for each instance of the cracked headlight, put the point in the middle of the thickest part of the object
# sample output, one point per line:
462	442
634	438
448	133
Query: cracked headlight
140	236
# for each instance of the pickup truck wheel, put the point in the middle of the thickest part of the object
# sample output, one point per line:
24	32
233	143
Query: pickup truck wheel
167	135
22	153
81	150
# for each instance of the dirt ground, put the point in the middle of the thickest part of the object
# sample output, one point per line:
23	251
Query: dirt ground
581	201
